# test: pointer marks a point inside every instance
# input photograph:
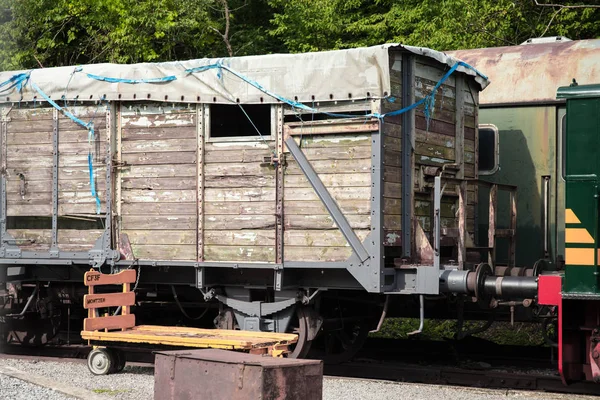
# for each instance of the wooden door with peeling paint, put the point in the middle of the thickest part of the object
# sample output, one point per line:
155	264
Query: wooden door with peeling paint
157	179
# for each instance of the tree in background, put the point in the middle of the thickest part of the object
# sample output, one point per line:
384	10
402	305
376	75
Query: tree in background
36	33
310	25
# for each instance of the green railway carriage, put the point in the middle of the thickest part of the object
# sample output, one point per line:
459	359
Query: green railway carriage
547	145
576	292
521	136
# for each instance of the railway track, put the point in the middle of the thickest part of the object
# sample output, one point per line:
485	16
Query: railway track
441	363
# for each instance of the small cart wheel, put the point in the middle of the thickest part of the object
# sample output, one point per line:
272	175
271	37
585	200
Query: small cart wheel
119	357
100	361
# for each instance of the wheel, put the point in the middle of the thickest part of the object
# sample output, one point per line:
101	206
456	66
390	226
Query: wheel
335	346
100	361
299	326
119	358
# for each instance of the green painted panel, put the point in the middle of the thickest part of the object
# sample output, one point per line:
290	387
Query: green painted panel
527	151
583	164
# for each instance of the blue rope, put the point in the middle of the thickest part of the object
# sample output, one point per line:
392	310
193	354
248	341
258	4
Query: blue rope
89	126
92	183
19	80
251	82
16	81
72	117
132	81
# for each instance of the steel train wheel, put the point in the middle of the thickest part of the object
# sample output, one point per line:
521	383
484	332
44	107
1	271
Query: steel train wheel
336	346
299	326
100	361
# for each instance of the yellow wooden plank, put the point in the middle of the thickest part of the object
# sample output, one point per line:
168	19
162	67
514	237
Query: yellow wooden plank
193	337
218	332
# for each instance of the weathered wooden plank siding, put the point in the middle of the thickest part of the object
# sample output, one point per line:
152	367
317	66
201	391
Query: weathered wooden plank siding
78	239
158	180
435	143
74	145
343	163
392	156
239	201
29	159
29	168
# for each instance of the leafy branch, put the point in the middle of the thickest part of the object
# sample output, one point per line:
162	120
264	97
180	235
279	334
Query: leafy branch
561	8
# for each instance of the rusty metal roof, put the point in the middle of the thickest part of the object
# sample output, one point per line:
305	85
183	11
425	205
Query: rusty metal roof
533	72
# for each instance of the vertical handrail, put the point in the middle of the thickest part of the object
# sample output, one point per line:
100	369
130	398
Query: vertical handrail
512	240
546	211
492	226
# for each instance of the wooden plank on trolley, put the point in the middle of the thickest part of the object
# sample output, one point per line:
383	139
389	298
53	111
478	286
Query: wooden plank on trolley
194	337
108	300
112	322
94	278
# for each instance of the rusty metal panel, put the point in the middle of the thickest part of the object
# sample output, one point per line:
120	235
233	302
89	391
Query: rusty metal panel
219	374
533	72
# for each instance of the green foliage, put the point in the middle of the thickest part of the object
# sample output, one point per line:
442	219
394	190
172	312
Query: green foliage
48	33
306	25
69	32
502	333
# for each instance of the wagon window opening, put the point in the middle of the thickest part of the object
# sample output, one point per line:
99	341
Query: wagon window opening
488	149
307	117
231	121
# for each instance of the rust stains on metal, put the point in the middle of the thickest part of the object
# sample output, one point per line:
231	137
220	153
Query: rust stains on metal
533	72
218	374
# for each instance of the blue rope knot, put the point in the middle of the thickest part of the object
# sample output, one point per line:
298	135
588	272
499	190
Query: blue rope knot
17	81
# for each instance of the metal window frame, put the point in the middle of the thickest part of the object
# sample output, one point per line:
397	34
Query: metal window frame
561	127
493	128
255	138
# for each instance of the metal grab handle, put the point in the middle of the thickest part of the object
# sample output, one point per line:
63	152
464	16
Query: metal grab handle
546	208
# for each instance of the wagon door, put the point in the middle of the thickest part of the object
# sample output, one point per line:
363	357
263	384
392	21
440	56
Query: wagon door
54	168
157	186
81	204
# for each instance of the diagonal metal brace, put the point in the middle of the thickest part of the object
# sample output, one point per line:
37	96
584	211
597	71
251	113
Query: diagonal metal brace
328	201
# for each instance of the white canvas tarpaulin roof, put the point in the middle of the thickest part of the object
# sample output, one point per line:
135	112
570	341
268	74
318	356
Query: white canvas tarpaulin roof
307	77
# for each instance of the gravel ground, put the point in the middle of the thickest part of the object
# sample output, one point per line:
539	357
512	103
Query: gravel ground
137	383
13	388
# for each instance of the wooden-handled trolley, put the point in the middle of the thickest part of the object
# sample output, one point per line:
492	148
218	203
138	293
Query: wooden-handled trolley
104	332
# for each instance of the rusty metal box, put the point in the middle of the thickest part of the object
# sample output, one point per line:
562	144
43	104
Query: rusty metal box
219	374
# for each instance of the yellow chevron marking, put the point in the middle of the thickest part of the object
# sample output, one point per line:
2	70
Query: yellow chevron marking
578	235
570	217
579	256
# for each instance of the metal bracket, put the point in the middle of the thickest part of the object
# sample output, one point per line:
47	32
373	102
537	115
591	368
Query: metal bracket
278	283
200	278
437	197
256	308
55	156
327	200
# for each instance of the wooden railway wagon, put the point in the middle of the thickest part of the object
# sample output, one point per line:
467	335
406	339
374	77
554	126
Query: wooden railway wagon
263	181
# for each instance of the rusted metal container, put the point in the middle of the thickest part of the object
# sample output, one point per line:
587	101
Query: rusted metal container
219	374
